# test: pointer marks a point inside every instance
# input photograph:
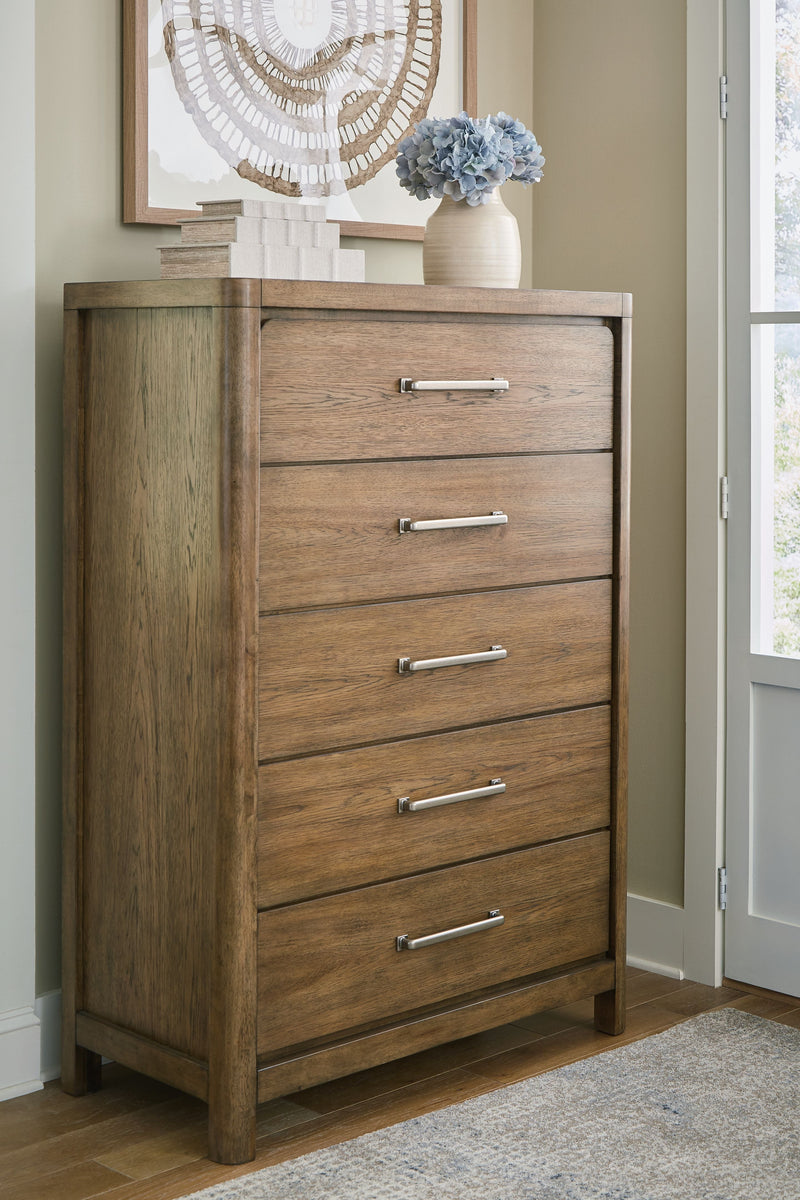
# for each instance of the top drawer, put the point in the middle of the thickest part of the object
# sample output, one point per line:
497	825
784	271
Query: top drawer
330	389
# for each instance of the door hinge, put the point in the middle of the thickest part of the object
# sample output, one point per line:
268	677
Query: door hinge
724	496
723	96
722	877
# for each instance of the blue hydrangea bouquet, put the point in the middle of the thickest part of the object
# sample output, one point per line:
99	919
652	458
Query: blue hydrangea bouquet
466	158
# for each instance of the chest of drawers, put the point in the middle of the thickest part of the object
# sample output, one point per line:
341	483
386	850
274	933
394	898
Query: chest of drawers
345	675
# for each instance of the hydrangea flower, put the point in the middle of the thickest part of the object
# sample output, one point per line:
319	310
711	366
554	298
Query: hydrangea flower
466	157
528	159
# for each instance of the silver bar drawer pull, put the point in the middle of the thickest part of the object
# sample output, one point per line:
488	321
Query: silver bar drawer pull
404	942
406	525
454	385
406	804
405	665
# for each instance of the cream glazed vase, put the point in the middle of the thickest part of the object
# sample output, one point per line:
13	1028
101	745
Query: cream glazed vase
472	245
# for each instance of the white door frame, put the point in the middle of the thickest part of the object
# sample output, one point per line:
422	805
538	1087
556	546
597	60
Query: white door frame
705	464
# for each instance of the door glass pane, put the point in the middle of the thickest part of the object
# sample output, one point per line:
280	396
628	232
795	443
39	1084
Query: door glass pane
776	489
775	155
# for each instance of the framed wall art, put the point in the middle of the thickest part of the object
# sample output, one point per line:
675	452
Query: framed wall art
288	98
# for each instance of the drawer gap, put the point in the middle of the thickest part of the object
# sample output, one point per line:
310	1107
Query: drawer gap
512	587
343	462
401	599
543	712
409	316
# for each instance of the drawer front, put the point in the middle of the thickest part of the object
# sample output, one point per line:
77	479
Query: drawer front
330	534
331	678
332	821
332	964
330	389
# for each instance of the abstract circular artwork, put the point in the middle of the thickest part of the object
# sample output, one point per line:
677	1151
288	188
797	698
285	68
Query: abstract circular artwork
304	97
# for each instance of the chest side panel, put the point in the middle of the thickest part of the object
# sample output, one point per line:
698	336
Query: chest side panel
152	667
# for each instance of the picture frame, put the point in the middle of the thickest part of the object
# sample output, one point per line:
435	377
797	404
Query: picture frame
141	204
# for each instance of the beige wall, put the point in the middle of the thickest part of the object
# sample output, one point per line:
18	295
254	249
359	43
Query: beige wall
505	84
80	236
609	103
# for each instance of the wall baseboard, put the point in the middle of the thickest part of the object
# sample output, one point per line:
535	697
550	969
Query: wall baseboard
19	1053
48	1010
655	936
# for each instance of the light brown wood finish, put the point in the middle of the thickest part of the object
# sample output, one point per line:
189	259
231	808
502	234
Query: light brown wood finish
232	1016
435	299
304	297
333	534
143	1054
135	197
325	399
610	1007
161	293
54	1145
167	562
150	609
329	965
74	1059
331	821
331	678
469	57
166	682
420	1032
401	233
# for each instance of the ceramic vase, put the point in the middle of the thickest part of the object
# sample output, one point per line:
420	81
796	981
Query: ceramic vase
472	245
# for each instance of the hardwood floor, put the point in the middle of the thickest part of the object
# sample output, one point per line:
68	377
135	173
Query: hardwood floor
140	1140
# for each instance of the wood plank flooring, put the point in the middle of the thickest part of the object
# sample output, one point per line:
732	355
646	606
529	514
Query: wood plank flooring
140	1140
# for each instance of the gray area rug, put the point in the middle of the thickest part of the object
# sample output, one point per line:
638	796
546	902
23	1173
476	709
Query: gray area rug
708	1110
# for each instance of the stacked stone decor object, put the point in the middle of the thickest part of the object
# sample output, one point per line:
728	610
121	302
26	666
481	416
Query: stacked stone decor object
259	239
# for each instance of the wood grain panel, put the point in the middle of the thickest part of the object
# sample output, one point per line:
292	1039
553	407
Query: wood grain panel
610	1006
232	1019
74	1060
331	964
168	666
153	670
329	534
410	1035
164	293
331	821
330	678
300	295
469	57
330	389
479	302
144	1055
